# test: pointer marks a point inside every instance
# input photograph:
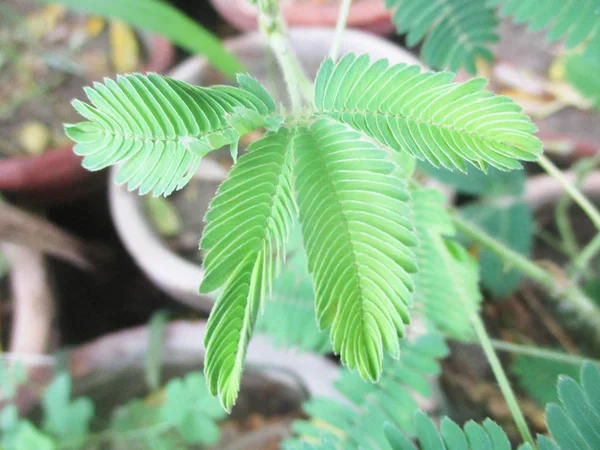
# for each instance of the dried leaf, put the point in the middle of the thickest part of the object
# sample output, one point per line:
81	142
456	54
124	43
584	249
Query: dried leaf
94	26
43	21
34	137
124	45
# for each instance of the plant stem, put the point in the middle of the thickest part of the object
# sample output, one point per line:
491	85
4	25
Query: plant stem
587	206
558	288
339	28
581	261
274	29
537	352
500	375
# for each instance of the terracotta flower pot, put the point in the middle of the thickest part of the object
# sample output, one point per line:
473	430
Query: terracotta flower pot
368	15
56	175
172	273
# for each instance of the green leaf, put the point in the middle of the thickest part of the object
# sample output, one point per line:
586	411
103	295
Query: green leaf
390	400
447	285
494	183
4	267
159	17
160	128
191	409
512	225
29	437
573	21
454	32
575	424
358	234
425	114
63	418
538	376
248	222
289	314
581	69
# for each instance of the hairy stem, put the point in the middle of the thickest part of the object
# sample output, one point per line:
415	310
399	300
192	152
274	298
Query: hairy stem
537	352
502	379
274	29
587	206
339	28
558	288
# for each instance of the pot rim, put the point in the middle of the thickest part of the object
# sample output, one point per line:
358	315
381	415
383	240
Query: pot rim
170	272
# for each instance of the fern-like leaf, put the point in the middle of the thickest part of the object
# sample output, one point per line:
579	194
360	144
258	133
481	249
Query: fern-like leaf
248	223
426	114
454	32
447	285
575	424
357	230
289	314
359	425
160	128
473	436
573	21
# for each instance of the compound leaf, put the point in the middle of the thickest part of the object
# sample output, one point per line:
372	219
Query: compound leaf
358	234
249	221
160	128
448	124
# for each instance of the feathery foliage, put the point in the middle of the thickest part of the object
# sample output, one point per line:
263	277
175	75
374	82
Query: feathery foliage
573	21
448	124
241	238
472	436
538	376
160	128
448	278
353	202
575	423
359	423
289	314
454	32
358	233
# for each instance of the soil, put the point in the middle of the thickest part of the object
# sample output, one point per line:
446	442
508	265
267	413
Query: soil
50	70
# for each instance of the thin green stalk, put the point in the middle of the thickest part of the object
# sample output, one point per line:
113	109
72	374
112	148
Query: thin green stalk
274	29
339	28
537	352
507	392
582	261
580	304
587	206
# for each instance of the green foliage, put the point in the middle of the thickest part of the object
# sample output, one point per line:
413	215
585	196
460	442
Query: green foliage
576	421
358	236
161	128
472	436
241	239
511	224
448	124
184	414
353	202
573	21
581	69
358	424
446	272
500	213
454	32
66	419
158	16
538	376
289	314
